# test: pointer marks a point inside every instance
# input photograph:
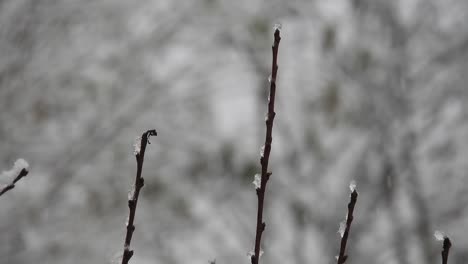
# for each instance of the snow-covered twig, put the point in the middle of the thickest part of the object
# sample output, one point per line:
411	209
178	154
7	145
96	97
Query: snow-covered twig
445	247
133	196
20	169
345	227
265	153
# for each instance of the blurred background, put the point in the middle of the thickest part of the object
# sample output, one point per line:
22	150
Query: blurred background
371	91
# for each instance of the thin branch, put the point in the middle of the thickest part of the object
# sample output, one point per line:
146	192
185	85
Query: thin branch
445	250
344	236
10	186
140	149
265	155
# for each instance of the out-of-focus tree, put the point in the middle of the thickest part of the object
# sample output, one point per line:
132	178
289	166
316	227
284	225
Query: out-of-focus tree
367	90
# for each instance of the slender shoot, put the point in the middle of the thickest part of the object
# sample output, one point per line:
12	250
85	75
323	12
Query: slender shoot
346	226
445	250
265	153
140	148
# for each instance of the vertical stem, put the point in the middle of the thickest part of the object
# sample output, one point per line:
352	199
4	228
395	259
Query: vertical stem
266	149
133	200
349	219
445	250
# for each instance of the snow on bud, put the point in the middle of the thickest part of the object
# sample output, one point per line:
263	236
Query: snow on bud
277	26
439	235
250	254
131	193
19	165
137	146
342	228
352	186
269	79
257	181
262	151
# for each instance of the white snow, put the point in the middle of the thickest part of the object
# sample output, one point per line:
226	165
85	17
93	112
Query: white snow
137	146
252	253
439	235
277	26
342	228
352	186
19	165
131	192
257	181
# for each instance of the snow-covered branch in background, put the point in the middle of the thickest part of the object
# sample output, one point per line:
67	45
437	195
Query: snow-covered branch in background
139	151
345	226
260	187
20	169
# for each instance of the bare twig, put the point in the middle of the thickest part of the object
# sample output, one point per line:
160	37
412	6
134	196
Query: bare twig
445	250
265	155
345	233
133	197
10	186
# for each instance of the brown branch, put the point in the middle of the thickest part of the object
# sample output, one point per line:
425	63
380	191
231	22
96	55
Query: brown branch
445	250
349	219
265	155
133	200
21	174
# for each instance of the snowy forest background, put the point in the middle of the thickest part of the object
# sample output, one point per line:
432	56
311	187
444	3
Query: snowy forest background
368	90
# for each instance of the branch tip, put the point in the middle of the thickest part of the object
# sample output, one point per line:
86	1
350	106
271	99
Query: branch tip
20	165
346	227
266	149
447	244
445	249
139	151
